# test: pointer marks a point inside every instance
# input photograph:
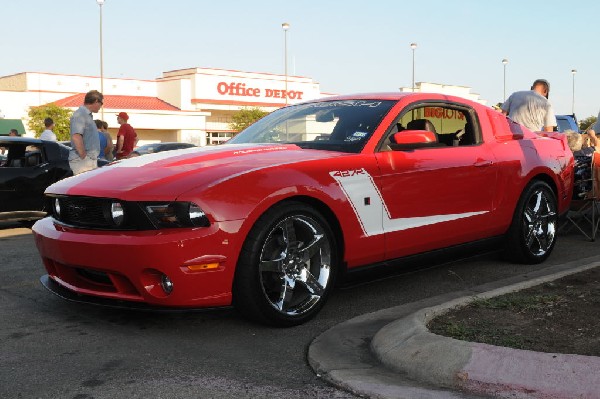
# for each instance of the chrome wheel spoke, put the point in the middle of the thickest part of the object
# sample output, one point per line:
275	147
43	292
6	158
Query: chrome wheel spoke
538	202
286	293
312	249
289	235
311	283
274	266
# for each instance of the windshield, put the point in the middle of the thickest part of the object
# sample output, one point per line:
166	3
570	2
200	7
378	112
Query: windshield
329	125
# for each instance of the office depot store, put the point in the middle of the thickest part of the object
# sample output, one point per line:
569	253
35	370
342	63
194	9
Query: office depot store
221	93
188	105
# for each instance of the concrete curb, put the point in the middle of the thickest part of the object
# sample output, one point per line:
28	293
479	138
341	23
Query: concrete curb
407	347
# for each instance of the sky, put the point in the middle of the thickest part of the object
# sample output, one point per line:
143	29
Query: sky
347	46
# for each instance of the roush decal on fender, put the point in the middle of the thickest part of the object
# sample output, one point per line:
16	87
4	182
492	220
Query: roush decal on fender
370	208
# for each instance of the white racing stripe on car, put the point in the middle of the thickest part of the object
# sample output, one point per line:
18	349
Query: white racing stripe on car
358	185
158	156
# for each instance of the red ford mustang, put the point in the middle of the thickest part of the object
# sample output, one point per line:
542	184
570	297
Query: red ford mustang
268	220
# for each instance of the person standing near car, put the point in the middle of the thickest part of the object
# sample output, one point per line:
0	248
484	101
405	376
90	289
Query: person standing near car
110	147
126	138
48	134
531	108
591	132
106	143
102	138
85	142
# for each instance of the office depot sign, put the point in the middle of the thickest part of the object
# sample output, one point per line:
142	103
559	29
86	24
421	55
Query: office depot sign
240	89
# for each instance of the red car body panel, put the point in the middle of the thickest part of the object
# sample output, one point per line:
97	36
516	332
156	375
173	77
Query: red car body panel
236	184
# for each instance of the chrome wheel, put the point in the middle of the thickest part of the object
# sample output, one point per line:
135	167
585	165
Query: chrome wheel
295	265
539	223
532	234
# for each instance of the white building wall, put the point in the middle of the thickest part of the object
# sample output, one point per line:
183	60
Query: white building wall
72	84
231	90
177	92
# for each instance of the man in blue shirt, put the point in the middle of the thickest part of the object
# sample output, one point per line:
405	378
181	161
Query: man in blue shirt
85	142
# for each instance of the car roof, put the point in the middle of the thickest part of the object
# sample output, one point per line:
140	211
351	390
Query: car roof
15	139
396	96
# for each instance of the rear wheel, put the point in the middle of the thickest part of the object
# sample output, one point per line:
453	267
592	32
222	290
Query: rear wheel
532	234
287	266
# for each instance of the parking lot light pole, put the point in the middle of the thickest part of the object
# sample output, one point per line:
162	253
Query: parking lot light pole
101	3
504	62
285	26
573	72
413	46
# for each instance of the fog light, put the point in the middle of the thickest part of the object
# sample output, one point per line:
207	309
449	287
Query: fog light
166	284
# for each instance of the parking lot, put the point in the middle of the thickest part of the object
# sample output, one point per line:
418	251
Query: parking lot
52	348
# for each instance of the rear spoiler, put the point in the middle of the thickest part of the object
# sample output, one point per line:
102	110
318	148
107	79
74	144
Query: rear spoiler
556	136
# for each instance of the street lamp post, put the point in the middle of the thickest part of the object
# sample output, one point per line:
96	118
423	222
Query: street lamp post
413	46
504	62
573	72
285	26
101	3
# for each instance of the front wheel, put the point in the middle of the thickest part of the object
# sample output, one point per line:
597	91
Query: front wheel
287	266
532	234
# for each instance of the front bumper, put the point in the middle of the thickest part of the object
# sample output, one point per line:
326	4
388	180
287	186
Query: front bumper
127	266
71	296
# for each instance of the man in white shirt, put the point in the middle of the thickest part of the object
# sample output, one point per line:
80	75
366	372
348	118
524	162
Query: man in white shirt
531	108
48	134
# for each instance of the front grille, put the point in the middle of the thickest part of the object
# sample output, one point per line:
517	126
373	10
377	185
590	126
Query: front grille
95	276
85	211
102	283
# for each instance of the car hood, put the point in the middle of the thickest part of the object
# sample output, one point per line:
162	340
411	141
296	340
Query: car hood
165	175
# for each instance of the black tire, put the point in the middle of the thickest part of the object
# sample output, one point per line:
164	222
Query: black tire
287	266
532	234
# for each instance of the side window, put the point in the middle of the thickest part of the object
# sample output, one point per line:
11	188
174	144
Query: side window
33	156
453	125
15	157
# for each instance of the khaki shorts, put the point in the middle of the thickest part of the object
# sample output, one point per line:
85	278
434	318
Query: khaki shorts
79	165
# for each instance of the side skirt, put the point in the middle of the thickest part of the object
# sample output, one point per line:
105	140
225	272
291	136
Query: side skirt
421	261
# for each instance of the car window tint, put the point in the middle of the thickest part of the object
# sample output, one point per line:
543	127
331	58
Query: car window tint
453	125
329	125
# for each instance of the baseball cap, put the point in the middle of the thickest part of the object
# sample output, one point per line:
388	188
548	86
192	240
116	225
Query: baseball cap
123	115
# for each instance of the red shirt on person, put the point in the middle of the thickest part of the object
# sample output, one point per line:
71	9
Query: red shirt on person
127	135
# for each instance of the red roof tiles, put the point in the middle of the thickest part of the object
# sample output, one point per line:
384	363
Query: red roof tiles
121	102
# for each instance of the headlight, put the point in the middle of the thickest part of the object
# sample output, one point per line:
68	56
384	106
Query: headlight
116	213
56	207
176	214
197	216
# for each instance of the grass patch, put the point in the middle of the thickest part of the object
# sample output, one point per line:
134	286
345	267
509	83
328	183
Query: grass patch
515	302
479	332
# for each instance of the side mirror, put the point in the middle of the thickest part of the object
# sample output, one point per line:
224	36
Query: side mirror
412	139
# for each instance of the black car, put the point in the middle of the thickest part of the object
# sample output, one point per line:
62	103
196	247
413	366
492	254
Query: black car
27	167
158	147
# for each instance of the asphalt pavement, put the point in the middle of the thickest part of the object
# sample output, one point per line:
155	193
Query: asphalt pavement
369	340
391	354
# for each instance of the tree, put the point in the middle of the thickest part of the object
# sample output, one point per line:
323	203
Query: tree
587	122
245	117
59	115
